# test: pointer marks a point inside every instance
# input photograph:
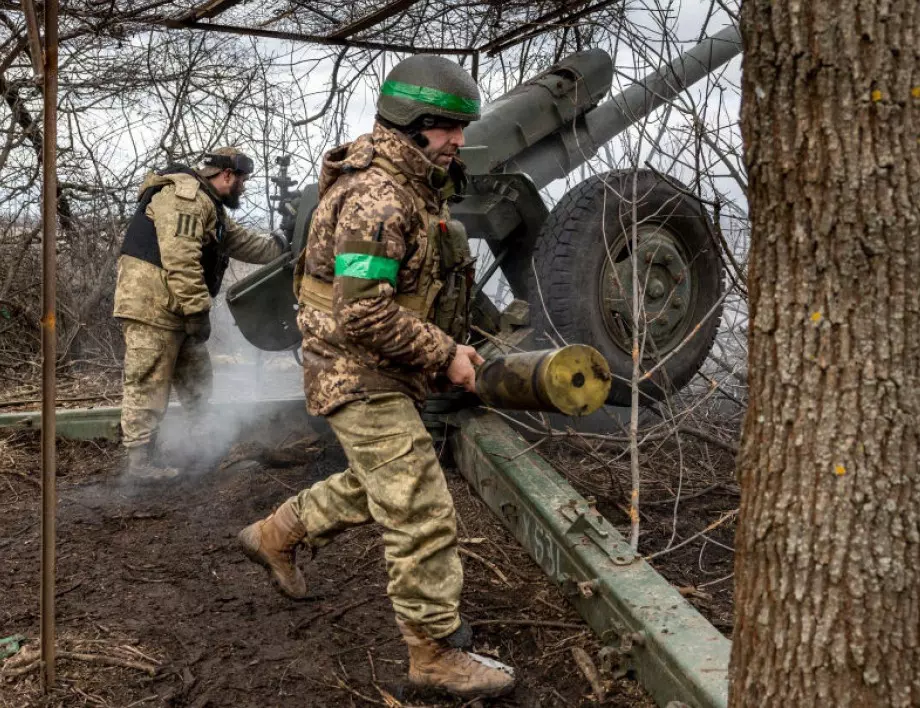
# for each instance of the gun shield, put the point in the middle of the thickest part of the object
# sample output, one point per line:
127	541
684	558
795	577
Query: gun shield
573	380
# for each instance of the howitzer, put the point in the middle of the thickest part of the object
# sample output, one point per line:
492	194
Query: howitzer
574	265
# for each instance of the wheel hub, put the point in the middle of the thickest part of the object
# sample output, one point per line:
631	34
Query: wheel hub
664	291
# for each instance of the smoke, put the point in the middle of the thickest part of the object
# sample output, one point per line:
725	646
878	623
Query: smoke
256	400
256	404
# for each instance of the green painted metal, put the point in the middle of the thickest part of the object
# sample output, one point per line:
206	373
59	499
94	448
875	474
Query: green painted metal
76	423
104	423
644	621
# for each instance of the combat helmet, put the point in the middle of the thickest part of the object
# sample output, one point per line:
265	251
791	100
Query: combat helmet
426	85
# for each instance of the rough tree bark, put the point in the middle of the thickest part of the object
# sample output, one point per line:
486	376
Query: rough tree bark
828	548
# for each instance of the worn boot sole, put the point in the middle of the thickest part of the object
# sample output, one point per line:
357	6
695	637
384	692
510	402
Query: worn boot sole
250	539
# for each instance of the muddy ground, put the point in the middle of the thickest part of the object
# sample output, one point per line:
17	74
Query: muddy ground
156	607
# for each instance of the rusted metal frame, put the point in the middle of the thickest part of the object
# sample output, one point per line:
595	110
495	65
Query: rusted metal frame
172	23
208	9
376	17
541	25
35	40
49	343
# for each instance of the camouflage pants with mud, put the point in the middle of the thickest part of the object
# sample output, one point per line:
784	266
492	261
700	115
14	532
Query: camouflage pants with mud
395	479
155	359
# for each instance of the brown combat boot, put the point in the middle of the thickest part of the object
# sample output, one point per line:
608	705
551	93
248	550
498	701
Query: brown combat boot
141	468
433	663
272	543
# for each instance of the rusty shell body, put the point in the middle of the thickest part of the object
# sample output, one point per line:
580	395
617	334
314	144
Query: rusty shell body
574	380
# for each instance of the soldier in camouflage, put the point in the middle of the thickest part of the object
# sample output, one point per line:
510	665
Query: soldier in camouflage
173	259
383	291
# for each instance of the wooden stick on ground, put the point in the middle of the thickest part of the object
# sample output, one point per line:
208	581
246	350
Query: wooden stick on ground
591	673
487	563
100	659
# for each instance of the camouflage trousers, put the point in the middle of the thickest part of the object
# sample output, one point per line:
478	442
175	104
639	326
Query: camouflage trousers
156	358
395	479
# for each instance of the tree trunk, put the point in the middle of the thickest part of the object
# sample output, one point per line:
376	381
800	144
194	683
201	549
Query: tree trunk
828	550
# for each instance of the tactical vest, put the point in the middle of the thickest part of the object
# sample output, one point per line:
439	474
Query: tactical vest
445	283
141	237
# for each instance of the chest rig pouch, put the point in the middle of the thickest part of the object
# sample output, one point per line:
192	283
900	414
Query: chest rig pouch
446	281
457	273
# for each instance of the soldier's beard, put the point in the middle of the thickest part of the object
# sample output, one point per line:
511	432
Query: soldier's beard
232	200
441	157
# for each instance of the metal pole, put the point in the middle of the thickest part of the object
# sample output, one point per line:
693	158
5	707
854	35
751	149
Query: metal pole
49	343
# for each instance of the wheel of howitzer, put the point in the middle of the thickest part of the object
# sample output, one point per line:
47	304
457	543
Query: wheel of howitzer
583	265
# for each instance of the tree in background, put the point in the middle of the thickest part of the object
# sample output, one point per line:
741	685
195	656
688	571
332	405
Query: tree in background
827	606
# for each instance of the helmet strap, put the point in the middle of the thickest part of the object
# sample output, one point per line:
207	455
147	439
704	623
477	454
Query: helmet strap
418	138
413	131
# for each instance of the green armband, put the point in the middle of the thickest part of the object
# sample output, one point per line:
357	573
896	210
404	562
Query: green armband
366	267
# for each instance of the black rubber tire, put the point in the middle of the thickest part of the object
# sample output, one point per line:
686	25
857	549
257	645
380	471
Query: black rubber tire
569	261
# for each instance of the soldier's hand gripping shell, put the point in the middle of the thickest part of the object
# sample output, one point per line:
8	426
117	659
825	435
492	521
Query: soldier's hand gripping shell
461	371
199	326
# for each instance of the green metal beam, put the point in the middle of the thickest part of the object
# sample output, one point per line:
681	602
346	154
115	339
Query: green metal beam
645	622
104	423
76	423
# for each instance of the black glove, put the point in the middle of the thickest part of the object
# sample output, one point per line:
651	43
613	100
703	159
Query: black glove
199	326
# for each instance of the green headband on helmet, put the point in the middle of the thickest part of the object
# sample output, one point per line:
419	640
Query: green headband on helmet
430	96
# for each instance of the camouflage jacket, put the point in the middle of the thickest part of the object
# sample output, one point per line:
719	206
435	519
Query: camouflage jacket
186	219
369	238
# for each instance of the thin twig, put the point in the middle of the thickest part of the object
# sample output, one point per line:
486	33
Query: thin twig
551	624
24	476
345	687
497	341
716	581
635	380
713	525
549	319
693	332
487	563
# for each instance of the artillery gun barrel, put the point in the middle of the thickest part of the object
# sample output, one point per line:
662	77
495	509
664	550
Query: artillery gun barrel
558	154
541	106
574	380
